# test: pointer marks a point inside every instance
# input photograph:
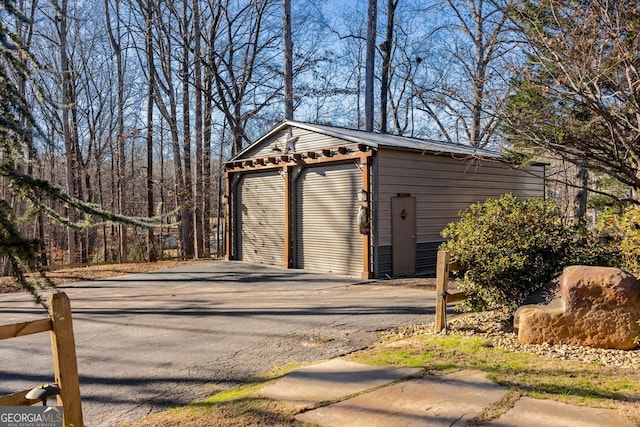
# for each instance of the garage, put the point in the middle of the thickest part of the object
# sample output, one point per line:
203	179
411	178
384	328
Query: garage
261	218
334	200
327	236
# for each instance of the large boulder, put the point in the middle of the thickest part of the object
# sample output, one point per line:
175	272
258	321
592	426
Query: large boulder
599	307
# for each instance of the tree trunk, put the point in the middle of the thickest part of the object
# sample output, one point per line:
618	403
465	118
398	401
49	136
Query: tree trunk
370	64
386	48
187	207
210	90
200	245
162	195
70	146
582	196
288	61
151	251
26	30
207	188
169	112
114	40
220	239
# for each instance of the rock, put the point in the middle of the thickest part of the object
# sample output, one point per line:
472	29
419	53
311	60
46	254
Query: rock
600	308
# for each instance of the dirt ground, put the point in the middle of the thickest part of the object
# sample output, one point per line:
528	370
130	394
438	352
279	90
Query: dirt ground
62	276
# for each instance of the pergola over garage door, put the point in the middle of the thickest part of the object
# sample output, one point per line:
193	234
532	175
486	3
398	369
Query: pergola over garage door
326	230
261	218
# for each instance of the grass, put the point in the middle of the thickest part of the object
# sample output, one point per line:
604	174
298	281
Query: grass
523	374
251	387
236	406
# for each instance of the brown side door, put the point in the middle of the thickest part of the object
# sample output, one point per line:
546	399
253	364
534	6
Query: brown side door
403	217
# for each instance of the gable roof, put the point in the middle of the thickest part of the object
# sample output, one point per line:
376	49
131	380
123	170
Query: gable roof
377	140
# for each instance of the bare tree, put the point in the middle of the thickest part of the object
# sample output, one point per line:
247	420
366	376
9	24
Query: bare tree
463	95
19	123
202	246
166	101
24	28
214	16
401	93
372	22
115	39
151	251
242	73
68	127
187	212
577	96
288	60
386	50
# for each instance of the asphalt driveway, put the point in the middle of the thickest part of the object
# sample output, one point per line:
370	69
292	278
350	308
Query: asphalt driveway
150	341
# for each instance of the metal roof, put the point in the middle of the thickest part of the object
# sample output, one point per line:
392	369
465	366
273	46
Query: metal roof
377	140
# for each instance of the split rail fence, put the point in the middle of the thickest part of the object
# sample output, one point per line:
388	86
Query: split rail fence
65	366
443	297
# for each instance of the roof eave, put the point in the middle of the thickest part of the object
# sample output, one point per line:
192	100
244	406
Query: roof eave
478	155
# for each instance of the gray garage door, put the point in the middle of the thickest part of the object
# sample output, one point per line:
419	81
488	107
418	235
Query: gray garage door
260	218
327	237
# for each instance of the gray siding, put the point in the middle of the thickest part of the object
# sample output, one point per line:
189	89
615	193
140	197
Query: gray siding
427	254
307	141
443	186
327	237
385	261
426	257
260	214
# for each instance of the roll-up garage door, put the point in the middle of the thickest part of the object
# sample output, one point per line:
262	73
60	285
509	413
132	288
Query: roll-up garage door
327	237
260	218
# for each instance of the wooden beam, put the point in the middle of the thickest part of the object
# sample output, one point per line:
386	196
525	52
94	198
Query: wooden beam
457	296
366	250
24	328
454	266
311	154
362	147
65	366
248	162
271	159
17	399
260	162
299	159
342	150
443	268
442	284
287	216
327	152
227	216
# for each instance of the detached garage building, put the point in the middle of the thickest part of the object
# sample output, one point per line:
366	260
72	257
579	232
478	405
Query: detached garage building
356	203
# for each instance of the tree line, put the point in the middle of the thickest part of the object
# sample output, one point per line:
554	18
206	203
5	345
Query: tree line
133	105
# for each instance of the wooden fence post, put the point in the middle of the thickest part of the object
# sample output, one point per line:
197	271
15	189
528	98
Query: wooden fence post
442	285
63	347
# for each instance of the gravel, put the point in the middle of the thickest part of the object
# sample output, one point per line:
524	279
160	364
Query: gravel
496	327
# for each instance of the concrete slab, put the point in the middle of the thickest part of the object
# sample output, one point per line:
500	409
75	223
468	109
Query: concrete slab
528	412
330	381
451	400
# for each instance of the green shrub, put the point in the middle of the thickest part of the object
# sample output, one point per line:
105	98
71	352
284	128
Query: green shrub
622	233
510	248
